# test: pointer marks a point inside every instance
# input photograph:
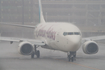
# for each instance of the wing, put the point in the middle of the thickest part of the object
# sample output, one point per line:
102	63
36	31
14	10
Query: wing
19	25
94	38
13	39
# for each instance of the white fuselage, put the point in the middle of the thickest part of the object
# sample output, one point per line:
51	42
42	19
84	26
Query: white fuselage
59	36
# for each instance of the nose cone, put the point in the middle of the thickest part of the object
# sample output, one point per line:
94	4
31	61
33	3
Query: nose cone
74	43
75	39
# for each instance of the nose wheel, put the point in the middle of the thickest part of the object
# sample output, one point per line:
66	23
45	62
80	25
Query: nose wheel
35	52
71	56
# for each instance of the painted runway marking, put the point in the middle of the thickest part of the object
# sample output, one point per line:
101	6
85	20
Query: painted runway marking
85	66
79	65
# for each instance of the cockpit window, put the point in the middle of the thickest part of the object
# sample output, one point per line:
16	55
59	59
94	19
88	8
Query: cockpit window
76	33
71	33
65	33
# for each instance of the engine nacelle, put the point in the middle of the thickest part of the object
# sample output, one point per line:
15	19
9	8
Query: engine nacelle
25	48
90	47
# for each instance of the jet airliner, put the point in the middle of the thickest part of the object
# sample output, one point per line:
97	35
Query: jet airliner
61	36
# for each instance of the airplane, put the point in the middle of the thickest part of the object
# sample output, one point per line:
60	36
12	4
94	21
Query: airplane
62	36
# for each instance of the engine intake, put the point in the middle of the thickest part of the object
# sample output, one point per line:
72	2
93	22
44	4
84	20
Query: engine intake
25	48
90	47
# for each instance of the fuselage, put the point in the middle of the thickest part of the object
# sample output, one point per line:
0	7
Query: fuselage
59	36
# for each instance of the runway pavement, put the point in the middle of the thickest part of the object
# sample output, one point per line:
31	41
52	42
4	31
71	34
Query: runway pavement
10	59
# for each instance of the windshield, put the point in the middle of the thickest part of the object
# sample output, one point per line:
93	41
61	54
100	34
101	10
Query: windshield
71	33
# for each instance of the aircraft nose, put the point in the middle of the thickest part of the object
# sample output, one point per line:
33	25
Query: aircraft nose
74	43
75	39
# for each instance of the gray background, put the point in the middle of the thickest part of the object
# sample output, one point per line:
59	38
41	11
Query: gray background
88	15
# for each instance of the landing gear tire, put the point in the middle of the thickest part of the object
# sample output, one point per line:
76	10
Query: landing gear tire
35	52
32	55
72	56
69	58
72	59
38	54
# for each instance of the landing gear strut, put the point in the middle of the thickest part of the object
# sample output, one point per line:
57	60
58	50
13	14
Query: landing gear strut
35	52
72	56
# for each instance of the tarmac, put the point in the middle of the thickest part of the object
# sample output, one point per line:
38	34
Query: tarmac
10	59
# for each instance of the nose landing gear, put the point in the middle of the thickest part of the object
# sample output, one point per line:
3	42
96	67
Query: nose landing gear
71	56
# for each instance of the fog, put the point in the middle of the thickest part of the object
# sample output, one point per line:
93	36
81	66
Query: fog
88	15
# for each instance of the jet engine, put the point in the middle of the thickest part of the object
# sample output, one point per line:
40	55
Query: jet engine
25	48
90	47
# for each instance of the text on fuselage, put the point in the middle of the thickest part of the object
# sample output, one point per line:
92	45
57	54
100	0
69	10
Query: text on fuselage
50	33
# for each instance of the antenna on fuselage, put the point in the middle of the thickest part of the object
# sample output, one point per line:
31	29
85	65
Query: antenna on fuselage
41	17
